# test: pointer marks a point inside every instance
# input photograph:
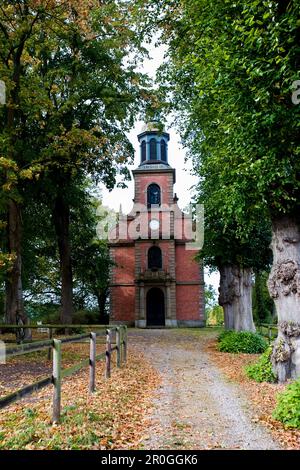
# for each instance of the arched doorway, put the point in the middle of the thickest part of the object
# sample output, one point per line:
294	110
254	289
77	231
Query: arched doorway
155	307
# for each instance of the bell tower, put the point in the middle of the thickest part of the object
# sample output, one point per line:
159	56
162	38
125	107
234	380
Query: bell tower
153	144
154	178
155	257
156	282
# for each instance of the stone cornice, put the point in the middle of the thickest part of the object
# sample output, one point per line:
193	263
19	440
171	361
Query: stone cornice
147	169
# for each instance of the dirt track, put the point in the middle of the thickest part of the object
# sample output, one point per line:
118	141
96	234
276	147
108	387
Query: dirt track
196	407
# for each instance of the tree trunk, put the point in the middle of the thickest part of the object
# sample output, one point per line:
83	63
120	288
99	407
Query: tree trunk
101	298
225	297
14	306
235	297
284	287
61	217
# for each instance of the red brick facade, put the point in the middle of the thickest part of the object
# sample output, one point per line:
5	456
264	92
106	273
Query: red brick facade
167	289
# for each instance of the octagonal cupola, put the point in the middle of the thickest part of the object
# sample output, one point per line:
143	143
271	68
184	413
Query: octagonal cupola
153	144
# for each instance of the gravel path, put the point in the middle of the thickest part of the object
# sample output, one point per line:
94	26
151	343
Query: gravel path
196	407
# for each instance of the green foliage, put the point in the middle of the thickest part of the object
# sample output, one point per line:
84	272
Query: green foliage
46	312
288	406
215	316
213	312
210	297
86	317
30	413
90	259
241	342
223	335
262	303
262	371
49	313
230	71
73	90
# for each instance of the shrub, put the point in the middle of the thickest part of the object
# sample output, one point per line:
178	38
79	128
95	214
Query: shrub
241	342
86	317
288	406
262	371
224	334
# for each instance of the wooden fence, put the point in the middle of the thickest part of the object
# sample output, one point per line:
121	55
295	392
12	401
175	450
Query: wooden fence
49	328
55	345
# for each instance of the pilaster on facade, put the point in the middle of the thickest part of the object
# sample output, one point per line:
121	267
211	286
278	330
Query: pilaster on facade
202	292
112	280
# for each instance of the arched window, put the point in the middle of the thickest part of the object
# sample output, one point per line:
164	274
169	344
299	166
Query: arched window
143	150
163	151
154	258
153	149
153	194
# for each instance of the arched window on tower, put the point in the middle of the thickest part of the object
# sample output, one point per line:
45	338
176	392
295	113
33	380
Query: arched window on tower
143	151
153	149
153	194
163	151
154	258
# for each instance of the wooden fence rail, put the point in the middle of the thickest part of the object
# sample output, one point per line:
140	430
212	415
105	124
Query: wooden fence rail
58	373
49	327
52	325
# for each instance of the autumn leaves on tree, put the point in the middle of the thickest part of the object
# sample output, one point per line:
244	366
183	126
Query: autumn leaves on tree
70	98
72	91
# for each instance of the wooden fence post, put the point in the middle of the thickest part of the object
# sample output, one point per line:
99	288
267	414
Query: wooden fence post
118	343
56	377
125	344
50	336
270	334
92	362
108	354
122	344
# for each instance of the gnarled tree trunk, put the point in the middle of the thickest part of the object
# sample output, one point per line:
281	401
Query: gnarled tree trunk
61	217
284	287
235	296
225	296
14	306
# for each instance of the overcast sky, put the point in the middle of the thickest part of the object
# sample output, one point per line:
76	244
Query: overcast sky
184	179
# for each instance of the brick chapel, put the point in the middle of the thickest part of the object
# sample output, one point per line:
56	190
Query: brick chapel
155	280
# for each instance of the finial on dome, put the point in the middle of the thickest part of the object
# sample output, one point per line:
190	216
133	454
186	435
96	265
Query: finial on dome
154	143
154	124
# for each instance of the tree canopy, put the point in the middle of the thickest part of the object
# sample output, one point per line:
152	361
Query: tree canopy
232	68
72	91
230	75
